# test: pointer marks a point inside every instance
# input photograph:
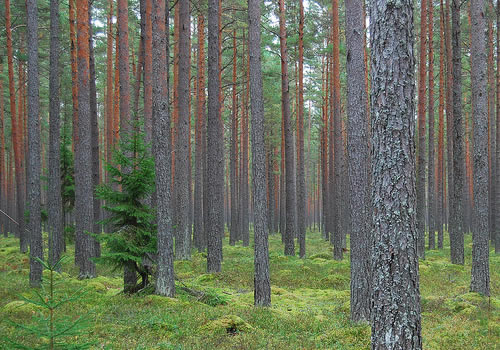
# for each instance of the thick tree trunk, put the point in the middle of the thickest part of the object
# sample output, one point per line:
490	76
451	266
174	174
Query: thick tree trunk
56	244
215	147
34	163
84	204
165	284
262	284
480	281
396	321
448	189
358	164
421	161
109	85
289	153
457	203
491	124
148	74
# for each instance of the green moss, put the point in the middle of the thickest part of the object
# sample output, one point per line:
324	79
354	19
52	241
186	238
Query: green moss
229	324
97	286
334	281
325	256
21	307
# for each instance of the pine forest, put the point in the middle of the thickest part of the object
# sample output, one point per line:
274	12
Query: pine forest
245	174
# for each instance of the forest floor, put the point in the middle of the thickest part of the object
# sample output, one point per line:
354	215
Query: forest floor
310	303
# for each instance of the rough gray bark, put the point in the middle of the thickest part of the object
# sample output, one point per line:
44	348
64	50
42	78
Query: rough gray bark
244	191
84	204
289	153
34	163
181	175
396	321
54	200
301	181
431	204
457	203
215	147
200	123
480	275
262	284
270	188
165	284
358	150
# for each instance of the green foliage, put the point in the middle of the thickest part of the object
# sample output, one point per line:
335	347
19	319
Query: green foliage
50	327
132	174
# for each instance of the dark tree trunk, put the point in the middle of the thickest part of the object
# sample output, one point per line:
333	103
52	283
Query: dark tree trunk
396	320
358	164
198	232
148	66
440	167
457	202
56	244
182	231
480	281
262	284
289	153
301	183
244	191
84	204
4	221
34	163
165	284
215	147
449	120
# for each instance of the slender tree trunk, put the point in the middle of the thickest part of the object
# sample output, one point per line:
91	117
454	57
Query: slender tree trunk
83	173
262	284
440	167
109	84
244	192
215	147
393	169
491	124
431	201
480	281
421	164
497	178
165	284
358	164
449	117
234	152
301	184
74	74
148	74
198	233
289	153
324	161
56	237
182	232
94	141
456	205
3	163
338	149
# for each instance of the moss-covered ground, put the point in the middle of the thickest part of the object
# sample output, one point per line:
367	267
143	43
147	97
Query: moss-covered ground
310	304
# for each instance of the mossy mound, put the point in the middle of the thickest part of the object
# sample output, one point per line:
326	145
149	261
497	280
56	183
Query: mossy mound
158	300
21	307
353	337
336	281
97	286
229	324
325	256
278	291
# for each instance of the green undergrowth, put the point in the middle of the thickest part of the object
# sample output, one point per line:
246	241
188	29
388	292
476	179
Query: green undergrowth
310	303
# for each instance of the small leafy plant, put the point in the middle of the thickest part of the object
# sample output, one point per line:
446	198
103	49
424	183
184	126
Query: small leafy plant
50	327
